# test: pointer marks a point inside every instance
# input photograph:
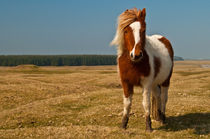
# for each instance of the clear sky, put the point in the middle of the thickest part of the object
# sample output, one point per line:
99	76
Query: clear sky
88	26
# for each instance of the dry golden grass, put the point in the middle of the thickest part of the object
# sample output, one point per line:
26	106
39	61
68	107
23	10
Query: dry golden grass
86	102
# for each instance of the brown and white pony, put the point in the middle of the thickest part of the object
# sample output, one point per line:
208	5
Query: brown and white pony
145	61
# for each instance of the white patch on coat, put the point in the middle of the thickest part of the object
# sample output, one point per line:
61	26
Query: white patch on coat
135	26
146	101
127	105
155	48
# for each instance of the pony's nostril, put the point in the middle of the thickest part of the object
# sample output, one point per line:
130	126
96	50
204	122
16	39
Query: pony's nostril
138	56
141	54
131	55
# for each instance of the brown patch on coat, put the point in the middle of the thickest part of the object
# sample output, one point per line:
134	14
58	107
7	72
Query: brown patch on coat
142	16
166	83
157	65
133	72
168	45
128	88
129	38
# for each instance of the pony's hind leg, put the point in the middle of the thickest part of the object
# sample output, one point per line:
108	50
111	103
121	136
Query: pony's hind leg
127	100
164	99
156	103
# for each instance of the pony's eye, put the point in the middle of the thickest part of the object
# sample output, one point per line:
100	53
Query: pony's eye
126	31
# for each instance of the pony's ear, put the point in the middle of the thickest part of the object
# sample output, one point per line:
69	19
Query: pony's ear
138	14
143	14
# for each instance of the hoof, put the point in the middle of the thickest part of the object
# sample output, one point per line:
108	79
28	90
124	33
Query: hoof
124	122
161	117
148	124
149	130
123	127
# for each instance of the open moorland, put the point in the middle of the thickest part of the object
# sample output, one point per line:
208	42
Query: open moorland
86	102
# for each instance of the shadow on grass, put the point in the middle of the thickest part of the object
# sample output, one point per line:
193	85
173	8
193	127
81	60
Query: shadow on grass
200	122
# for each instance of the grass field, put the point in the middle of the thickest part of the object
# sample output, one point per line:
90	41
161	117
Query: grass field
86	102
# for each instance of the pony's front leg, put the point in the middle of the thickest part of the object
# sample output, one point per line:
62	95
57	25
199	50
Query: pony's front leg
127	100
146	105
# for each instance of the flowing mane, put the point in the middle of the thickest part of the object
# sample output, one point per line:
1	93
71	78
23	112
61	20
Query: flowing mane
125	19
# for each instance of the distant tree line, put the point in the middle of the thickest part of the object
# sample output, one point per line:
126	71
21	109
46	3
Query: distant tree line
60	60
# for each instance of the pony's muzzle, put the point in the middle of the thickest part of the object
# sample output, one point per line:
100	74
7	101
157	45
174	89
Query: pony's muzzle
136	57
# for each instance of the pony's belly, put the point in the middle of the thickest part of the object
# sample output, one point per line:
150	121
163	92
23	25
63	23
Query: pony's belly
160	80
162	76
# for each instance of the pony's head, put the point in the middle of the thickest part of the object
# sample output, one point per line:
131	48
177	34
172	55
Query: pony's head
130	35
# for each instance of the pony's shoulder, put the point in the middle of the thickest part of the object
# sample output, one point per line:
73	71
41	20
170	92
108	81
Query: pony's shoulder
153	41
154	37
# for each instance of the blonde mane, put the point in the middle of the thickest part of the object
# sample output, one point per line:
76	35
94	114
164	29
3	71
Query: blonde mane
125	19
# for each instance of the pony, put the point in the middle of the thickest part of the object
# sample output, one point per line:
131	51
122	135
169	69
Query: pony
145	61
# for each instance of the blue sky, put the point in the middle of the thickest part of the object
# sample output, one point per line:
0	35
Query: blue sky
88	26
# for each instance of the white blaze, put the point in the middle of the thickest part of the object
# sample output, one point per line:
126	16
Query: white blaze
135	26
